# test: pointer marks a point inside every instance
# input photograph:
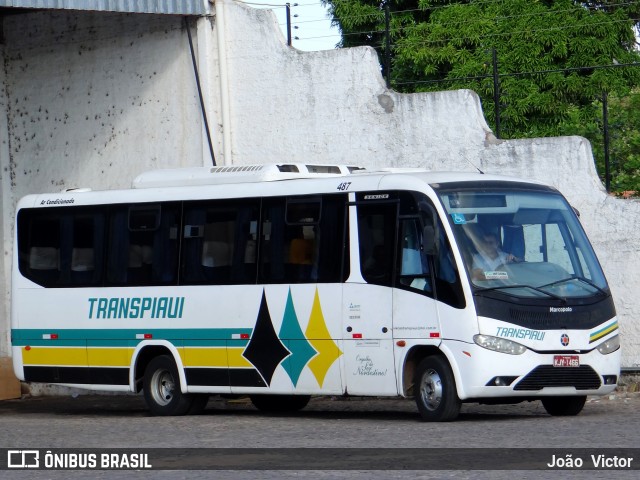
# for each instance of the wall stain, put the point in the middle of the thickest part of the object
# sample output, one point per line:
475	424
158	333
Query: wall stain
386	102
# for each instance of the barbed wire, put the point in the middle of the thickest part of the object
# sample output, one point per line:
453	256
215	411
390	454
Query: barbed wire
517	74
427	42
380	12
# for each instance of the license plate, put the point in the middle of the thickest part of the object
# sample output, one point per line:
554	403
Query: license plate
566	361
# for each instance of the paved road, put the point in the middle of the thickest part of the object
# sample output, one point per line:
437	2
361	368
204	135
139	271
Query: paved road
123	422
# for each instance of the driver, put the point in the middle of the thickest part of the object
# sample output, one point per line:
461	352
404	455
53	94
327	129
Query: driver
490	256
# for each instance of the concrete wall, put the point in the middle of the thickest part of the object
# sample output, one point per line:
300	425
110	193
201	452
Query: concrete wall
92	99
333	106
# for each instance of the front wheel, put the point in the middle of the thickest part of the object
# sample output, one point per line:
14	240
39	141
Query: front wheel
435	390
564	406
162	388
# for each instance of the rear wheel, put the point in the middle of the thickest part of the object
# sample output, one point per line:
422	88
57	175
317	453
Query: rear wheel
162	388
435	390
280	403
564	406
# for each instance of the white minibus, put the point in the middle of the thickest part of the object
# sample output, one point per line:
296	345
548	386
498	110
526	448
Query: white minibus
279	282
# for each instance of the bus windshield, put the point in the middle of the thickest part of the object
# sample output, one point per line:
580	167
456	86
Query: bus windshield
524	243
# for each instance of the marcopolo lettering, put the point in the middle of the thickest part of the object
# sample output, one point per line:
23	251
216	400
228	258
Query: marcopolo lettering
560	309
135	307
521	333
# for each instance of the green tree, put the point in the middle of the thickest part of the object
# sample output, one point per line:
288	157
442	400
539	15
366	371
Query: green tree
555	58
624	142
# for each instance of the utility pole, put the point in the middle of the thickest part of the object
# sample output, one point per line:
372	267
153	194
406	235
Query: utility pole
496	91
387	48
288	7
605	131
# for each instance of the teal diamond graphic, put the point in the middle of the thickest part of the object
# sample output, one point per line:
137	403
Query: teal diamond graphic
300	348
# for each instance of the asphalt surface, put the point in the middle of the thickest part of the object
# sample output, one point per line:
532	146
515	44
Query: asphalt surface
122	421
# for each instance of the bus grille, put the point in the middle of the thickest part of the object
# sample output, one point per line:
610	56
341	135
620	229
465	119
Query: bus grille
582	378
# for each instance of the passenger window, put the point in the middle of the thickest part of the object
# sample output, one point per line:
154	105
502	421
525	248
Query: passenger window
302	240
414	264
61	247
303	211
220	242
143	244
39	246
85	259
377	241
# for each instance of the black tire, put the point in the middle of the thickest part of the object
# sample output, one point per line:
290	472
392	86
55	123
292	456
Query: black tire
435	390
280	403
564	406
162	388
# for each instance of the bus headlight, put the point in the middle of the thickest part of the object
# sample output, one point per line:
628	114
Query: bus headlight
609	346
501	345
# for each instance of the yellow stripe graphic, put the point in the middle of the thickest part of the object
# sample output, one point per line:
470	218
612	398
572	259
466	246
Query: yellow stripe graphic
215	357
604	332
109	357
78	356
73	356
121	357
236	359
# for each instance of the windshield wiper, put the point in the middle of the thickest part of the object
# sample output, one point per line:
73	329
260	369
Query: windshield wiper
537	289
582	279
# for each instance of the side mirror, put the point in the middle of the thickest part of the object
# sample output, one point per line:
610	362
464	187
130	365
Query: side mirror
576	211
430	239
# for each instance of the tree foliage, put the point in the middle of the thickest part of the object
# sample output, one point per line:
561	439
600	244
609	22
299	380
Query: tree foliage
624	137
555	58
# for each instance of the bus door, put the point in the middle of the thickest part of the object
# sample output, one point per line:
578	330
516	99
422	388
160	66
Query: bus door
368	299
415	311
427	294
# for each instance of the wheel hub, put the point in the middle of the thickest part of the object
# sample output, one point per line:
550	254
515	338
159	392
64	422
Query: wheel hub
163	387
431	389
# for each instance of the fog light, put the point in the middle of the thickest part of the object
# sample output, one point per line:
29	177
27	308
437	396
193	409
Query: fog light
610	379
500	381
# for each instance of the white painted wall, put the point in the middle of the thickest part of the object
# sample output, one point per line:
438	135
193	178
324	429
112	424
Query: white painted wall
332	106
93	99
96	98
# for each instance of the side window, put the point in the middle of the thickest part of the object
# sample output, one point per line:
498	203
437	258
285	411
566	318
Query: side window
447	278
61	247
333	251
447	286
302	239
414	264
556	247
143	244
219	242
39	246
377	241
85	257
